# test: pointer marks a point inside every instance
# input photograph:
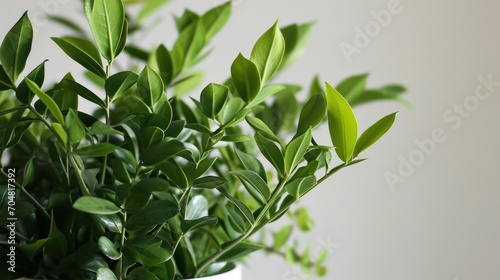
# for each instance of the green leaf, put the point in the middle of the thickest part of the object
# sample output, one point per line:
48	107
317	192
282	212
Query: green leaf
174	173
88	257
149	8
99	128
106	23
374	133
5	82
246	78
251	163
296	37
189	44
56	246
190	225
281	237
243	209
141	273
95	205
108	248
161	152
296	150
23	93
254	183
97	150
268	52
315	87
146	251
312	113
141	192
262	128
119	83
16	47
104	273
155	213
300	186
73	86
150	86
239	251
29	172
236	138
74	127
197	208
209	182
266	93
353	87
61	134
47	100
83	52
112	222
233	107
68	23
212	98
215	19
271	153
164	64
342	124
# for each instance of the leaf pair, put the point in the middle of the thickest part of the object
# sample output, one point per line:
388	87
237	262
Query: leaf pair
343	127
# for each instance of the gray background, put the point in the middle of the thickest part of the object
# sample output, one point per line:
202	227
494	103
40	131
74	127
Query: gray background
442	222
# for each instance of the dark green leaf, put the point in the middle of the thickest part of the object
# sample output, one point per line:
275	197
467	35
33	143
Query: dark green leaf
190	225
262	128
155	213
23	93
209	182
97	150
255	181
165	65
174	173
5	82
141	192
108	248
271	153
16	47
213	97
342	124
150	86
243	209
112	222
95	205
246	78
146	251
107	20
252	163
119	83
137	52
99	128
47	100
83	52
374	133
233	107
74	127
162	151
82	91
141	273
239	251
268	52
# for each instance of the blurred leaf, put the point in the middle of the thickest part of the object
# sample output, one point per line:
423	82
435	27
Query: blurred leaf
296	37
215	19
149	8
281	237
353	87
209	182
239	251
96	150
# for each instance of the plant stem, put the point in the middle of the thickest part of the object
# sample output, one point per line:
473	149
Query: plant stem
122	243
107	101
24	191
247	234
83	188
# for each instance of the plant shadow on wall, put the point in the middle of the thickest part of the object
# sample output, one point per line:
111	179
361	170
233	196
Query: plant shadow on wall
152	185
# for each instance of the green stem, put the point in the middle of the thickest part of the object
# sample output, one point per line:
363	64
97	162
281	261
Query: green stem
122	243
105	160
276	194
31	198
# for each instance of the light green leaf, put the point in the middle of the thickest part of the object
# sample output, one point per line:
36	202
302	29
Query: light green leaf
254	181
119	83
342	124
353	87
300	186
374	133
296	150
104	273
47	100
282	236
95	205
108	248
212	98
233	107
252	163
262	128
149	8
268	52
150	86
296	37
106	23
75	127
266	93
16	47
215	19
189	44
83	52
97	150
246	78
312	113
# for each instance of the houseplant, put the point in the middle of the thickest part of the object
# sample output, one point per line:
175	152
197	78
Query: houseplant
153	185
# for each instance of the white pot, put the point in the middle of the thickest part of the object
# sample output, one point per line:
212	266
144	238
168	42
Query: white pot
233	274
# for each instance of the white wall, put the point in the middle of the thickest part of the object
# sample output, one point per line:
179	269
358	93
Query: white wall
442	222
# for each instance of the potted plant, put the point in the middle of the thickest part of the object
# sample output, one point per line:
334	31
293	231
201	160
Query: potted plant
153	185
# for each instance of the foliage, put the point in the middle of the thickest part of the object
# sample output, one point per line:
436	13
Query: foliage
153	185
